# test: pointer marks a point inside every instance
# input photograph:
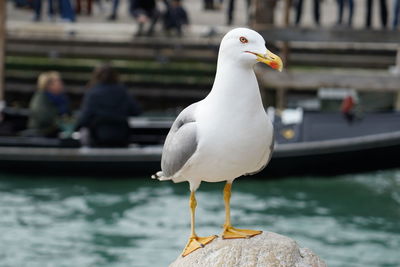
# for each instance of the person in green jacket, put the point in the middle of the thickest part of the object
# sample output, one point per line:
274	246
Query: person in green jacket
49	105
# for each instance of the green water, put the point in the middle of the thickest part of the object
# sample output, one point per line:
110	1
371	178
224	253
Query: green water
348	220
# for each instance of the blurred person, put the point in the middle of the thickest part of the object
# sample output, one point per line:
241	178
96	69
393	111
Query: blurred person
231	10
208	4
78	6
23	4
106	109
37	7
348	108
145	11
299	11
350	7
66	10
396	13
49	106
370	10
114	10
175	16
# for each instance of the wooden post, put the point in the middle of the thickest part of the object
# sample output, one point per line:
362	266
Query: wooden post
397	101
3	32
280	99
397	70
286	16
281	92
263	13
286	21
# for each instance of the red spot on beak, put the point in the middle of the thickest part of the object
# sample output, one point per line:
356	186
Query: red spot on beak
274	65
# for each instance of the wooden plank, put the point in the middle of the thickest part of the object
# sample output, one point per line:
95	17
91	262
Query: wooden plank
293	80
153	42
111	52
307	58
301	80
343	61
154	92
294	34
319	39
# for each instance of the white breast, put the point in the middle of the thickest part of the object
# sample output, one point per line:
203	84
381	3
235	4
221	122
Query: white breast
233	131
230	144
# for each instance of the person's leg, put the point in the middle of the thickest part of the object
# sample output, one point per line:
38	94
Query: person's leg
37	5
155	14
316	11
78	6
209	5
89	7
351	12
140	29
100	5
66	10
71	11
384	15
140	18
299	9
179	29
368	15
134	9
340	4
396	14
231	9
114	10
50	9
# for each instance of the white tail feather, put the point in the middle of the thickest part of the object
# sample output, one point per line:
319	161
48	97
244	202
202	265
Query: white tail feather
160	176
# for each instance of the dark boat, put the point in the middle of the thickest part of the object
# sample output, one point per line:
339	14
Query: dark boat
315	144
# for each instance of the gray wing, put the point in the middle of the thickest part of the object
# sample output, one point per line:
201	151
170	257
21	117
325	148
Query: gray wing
271	147
181	142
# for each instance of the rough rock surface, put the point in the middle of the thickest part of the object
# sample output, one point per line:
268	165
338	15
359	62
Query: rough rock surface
265	250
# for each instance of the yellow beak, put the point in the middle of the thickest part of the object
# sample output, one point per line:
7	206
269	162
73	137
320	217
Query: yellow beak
270	59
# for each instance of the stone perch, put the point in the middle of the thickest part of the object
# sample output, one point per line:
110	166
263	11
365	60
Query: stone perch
265	250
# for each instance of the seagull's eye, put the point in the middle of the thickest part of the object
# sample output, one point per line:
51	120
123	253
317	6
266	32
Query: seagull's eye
243	40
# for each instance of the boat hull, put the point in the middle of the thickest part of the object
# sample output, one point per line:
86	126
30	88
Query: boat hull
347	155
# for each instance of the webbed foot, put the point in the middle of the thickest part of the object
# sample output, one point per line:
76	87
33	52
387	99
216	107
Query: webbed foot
231	233
196	242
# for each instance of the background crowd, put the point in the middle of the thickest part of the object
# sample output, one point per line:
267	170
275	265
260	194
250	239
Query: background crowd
349	6
103	116
174	16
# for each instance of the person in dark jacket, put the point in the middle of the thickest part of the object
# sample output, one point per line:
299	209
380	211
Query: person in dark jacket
145	11
106	109
48	107
175	16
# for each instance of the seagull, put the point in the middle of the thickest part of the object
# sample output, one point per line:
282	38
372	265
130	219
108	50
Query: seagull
227	134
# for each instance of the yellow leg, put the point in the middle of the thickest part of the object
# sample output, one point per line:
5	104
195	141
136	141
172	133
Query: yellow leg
195	242
229	231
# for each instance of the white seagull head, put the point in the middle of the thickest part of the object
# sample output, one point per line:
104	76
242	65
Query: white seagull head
247	47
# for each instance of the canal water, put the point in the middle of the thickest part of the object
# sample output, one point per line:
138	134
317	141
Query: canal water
351	220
